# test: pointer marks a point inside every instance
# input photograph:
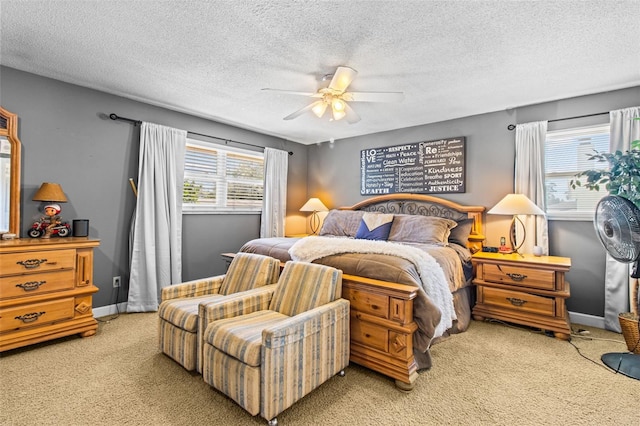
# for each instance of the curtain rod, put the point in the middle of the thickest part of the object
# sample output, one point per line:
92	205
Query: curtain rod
513	126
226	141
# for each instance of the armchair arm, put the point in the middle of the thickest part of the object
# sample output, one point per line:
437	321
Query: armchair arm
242	303
311	347
195	288
306	324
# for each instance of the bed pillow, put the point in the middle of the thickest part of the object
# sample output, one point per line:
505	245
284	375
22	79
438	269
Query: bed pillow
375	226
421	229
460	234
341	223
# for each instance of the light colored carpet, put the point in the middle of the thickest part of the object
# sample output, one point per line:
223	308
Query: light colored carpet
491	375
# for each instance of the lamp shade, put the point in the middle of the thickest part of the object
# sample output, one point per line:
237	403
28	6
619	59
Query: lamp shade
314	205
318	108
513	204
50	192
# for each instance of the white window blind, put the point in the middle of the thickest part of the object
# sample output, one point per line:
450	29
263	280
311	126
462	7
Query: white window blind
566	154
222	180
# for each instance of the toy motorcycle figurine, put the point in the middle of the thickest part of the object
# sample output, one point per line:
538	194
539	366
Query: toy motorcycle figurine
51	224
39	229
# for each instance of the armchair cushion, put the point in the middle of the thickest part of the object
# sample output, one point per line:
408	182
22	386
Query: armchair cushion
241	337
247	271
231	306
304	286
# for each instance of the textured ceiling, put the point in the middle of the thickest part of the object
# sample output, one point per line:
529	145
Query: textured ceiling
211	59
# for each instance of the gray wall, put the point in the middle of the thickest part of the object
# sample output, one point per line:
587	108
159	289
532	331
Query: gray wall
67	138
334	175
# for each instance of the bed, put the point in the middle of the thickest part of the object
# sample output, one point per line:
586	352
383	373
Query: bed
400	306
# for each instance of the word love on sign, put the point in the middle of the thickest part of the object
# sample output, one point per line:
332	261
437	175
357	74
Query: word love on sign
431	167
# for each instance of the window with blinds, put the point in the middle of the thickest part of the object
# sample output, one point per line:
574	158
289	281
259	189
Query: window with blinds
566	154
222	180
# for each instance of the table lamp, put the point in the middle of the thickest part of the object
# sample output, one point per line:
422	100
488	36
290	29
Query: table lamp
52	194
314	205
516	204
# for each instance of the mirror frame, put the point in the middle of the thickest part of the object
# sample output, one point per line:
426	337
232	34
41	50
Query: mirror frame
11	132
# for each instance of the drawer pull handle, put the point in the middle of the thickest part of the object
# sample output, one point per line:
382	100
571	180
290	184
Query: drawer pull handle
516	302
31	317
517	277
31	263
31	285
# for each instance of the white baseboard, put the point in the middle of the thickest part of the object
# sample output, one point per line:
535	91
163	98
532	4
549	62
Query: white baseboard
585	319
104	311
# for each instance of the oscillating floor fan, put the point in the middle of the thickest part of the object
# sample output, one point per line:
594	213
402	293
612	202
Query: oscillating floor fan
617	223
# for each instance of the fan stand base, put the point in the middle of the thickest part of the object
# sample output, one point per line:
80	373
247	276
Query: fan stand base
624	363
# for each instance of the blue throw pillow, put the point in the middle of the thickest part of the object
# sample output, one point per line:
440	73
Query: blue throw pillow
375	226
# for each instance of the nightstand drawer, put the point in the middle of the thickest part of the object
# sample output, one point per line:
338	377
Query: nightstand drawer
369	335
519	276
368	303
32	284
518	301
36	314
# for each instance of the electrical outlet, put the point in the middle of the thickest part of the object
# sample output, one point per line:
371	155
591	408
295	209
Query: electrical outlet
116	281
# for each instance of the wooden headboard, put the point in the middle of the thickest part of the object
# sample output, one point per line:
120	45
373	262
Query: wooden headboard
427	205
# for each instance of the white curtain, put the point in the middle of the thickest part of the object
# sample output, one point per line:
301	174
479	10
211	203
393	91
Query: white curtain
529	180
274	204
623	129
156	254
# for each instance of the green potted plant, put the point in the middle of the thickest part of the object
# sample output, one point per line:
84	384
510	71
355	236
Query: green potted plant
623	179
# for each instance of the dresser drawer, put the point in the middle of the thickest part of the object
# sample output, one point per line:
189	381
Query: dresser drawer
368	303
36	314
519	276
32	284
517	301
369	335
37	261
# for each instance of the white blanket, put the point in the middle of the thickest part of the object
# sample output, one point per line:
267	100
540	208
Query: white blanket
434	282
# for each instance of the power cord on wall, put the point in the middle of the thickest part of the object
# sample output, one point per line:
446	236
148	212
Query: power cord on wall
117	314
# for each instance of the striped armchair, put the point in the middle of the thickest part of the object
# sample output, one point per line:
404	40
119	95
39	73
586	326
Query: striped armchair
179	335
283	345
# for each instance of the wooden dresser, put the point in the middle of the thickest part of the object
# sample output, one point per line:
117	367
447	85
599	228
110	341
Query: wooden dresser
46	288
525	290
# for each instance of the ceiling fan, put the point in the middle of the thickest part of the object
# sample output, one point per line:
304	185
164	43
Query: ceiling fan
336	97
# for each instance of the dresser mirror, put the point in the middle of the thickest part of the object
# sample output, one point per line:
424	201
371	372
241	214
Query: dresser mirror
9	173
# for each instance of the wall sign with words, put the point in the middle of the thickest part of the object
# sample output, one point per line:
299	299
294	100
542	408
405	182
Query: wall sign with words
432	167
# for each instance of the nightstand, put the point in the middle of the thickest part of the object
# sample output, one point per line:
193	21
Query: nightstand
527	290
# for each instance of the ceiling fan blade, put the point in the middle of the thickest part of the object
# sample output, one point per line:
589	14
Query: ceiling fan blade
342	79
352	116
373	96
293	92
299	112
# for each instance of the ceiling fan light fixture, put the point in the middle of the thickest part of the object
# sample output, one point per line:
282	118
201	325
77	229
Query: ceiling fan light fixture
338	105
319	108
338	115
336	96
